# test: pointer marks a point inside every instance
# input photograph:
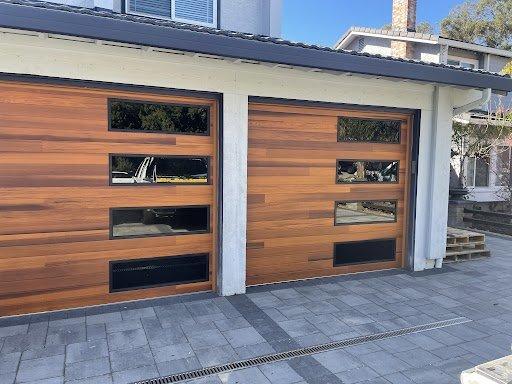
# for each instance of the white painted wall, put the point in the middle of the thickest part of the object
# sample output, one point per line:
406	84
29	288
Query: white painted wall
90	61
373	45
261	17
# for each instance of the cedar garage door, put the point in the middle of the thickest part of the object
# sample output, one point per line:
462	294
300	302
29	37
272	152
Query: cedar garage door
107	196
327	191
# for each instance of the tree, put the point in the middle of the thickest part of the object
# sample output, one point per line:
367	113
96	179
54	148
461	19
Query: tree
487	22
478	140
423	27
507	70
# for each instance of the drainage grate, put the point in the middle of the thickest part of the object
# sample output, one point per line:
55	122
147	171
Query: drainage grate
301	352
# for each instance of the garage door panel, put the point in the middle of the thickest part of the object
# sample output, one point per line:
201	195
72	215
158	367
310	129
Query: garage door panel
320	271
291	232
104	196
55	232
80	297
173	245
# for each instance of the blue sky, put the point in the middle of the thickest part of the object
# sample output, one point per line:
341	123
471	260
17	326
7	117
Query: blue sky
324	21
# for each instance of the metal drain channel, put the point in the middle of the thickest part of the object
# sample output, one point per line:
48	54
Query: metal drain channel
301	352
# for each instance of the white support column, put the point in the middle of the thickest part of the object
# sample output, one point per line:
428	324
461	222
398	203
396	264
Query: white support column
433	182
232	265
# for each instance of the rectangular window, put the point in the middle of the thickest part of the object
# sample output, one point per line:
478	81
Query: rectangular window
141	116
196	11
463	63
368	130
365	212
146	273
367	171
155	8
367	251
139	169
200	12
158	221
478	172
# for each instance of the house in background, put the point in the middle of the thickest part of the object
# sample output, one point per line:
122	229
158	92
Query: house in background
259	17
402	41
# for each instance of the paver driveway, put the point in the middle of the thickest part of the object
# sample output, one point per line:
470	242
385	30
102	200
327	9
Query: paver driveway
125	343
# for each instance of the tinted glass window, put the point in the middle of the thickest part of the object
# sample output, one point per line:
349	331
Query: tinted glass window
358	212
159	221
146	273
380	131
131	169
369	251
366	171
162	118
482	172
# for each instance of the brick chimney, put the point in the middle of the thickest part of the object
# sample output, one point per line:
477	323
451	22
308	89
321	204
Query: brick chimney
404	20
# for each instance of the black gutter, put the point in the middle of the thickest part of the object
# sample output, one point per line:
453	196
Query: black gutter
47	20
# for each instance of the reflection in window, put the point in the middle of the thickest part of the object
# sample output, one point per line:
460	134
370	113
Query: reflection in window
132	169
368	130
154	117
478	172
159	221
365	171
503	176
358	212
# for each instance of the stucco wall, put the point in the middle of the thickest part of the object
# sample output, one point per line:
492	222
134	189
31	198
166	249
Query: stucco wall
90	61
375	45
261	17
429	53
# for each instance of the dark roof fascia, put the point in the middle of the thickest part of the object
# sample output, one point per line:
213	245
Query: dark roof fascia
126	31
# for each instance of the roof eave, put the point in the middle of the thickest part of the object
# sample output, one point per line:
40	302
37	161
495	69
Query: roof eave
145	34
475	47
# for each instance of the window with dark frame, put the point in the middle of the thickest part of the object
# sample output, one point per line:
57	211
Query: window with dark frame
365	212
367	171
159	221
162	271
140	169
354	129
366	251
143	116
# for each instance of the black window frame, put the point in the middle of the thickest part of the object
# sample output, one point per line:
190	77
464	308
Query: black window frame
111	155
370	141
364	262
366	222
368	182
208	119
111	221
112	263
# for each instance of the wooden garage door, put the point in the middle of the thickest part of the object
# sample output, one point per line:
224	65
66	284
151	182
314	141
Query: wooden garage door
106	196
327	191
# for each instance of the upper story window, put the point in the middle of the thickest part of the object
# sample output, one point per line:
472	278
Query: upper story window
463	62
200	12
